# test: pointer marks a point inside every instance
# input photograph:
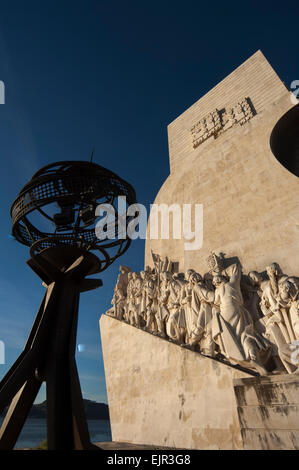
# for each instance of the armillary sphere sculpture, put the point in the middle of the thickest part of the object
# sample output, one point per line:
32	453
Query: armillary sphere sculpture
61	243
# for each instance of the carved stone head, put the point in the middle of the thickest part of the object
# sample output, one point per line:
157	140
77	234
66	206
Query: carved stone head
274	269
124	269
189	274
144	275
219	279
179	276
287	290
255	278
195	278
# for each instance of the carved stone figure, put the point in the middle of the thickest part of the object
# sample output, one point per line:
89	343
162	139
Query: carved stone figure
202	333
128	315
252	294
112	310
233	328
174	321
191	303
162	313
180	279
150	301
135	296
278	329
287	310
120	293
294	316
261	302
286	294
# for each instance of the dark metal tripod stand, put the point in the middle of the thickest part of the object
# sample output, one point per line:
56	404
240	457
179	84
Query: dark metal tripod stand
49	354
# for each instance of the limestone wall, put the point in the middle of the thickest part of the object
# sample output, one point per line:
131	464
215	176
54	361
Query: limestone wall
250	201
161	394
268	409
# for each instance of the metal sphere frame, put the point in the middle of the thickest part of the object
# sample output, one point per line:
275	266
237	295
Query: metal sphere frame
75	183
62	258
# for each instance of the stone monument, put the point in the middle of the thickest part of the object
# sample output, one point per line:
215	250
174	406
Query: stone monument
201	348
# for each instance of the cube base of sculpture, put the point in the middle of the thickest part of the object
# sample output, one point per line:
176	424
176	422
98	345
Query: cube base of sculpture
268	409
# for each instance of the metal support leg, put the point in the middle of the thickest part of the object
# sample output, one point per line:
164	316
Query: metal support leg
17	413
49	355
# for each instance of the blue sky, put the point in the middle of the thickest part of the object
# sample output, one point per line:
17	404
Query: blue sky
110	75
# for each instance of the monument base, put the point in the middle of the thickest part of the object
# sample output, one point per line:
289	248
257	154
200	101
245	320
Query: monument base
164	395
268	409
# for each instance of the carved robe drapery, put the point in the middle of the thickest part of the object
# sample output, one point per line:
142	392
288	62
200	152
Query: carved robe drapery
191	308
232	326
294	317
175	320
206	298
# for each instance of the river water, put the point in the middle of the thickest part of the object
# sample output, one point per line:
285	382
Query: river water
35	431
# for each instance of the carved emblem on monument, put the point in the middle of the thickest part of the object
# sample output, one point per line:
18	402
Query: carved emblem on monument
219	121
